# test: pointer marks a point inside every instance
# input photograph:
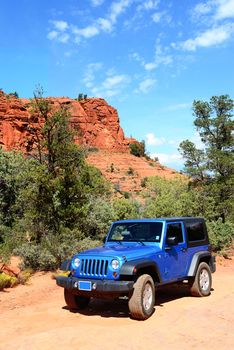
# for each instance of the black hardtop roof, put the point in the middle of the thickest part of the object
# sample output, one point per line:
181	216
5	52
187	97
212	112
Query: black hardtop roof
169	219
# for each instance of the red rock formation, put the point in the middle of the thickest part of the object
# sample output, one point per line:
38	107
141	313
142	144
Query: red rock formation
96	123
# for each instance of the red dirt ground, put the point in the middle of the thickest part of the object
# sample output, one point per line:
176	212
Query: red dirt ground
34	317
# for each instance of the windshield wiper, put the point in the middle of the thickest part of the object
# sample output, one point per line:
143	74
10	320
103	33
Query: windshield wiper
137	241
119	242
141	242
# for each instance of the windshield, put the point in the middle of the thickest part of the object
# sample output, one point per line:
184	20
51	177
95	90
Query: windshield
136	231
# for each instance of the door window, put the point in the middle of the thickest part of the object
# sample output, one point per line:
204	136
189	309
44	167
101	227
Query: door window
175	230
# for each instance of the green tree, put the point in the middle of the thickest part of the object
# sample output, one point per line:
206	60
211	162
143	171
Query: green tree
214	165
126	209
195	160
60	190
12	165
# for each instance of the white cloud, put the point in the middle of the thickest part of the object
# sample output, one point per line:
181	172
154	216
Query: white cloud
113	81
157	16
111	85
96	3
152	140
176	107
105	24
146	85
225	9
117	8
150	65
203	8
89	75
63	38
52	35
168	159
161	57
60	25
86	32
209	38
148	5
102	24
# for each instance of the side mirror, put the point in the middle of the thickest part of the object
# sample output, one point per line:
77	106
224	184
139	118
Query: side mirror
104	240
172	241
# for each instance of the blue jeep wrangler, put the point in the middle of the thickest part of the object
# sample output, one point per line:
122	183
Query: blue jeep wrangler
137	257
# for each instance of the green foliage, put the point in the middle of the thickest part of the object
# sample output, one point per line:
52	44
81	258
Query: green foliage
221	234
14	94
130	171
53	201
54	204
12	165
138	149
126	209
194	160
7	281
213	167
82	96
176	198
144	181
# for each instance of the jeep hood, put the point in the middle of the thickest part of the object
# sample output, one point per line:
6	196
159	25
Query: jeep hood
129	252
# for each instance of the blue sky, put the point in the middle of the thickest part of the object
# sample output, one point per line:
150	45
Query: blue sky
149	59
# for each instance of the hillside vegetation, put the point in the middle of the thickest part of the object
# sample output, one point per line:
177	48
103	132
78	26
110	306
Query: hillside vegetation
53	204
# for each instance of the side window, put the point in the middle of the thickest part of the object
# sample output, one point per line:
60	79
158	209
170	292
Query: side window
175	230
195	231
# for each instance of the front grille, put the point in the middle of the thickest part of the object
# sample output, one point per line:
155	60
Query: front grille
93	267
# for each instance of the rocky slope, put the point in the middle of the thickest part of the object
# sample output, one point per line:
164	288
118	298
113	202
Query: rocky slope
96	126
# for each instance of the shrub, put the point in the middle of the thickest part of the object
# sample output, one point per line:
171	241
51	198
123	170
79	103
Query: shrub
7	281
25	275
144	181
138	149
130	171
220	234
36	257
48	255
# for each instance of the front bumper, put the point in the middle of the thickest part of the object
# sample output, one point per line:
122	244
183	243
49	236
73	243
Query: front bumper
98	286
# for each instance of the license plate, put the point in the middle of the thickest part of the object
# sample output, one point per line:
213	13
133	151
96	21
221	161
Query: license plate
85	285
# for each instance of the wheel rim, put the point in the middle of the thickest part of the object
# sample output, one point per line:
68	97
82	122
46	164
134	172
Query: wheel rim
147	296
204	280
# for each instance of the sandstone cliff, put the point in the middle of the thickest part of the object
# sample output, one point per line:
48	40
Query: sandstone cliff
96	126
96	123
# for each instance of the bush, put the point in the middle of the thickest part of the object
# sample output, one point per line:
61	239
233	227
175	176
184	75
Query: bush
25	275
138	149
220	234
49	254
130	171
7	281
36	257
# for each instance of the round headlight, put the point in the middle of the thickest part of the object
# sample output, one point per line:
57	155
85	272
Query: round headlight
76	262
115	264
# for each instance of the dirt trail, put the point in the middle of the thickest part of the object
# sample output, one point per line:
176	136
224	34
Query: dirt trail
34	317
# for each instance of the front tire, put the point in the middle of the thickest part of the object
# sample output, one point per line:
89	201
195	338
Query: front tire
75	302
141	302
201	283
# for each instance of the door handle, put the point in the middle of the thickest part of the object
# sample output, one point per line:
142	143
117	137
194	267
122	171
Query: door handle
183	250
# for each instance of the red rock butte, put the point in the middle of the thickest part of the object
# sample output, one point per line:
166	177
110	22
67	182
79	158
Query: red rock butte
96	126
96	123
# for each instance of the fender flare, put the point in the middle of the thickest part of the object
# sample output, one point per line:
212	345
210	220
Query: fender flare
130	268
196	260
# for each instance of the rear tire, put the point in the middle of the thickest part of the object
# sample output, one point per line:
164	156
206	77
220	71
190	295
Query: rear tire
141	302
75	302
201	283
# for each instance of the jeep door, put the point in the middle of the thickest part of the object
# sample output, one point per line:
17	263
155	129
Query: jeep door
175	251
